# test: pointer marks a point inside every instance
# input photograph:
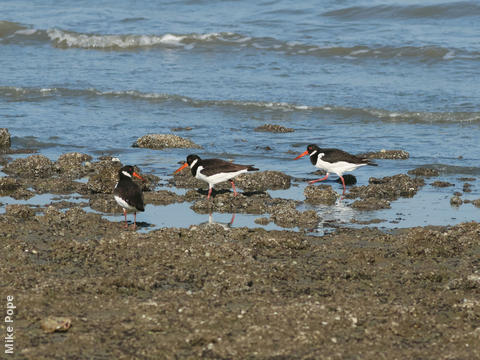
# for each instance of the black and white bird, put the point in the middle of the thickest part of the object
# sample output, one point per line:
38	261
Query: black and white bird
334	161
128	194
214	171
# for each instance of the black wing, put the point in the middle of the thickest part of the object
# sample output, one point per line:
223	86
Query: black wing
336	155
215	166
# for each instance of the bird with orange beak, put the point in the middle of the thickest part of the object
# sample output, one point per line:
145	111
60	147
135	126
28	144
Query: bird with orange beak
128	194
333	161
214	171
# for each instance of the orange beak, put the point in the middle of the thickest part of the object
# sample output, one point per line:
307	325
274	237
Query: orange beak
302	154
181	168
138	176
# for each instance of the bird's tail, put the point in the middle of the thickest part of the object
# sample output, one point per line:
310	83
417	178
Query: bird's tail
251	168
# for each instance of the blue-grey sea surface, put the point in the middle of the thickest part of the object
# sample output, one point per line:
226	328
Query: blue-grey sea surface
362	76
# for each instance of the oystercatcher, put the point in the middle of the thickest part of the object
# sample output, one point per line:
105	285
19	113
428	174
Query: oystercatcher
128	194
334	160
214	171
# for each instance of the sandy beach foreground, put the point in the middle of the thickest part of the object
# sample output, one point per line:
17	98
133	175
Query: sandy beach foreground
227	293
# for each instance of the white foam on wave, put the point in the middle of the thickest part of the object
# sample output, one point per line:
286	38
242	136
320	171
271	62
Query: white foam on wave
359	52
71	39
26	32
449	55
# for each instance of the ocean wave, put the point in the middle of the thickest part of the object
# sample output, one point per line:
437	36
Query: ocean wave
14	32
8	28
449	10
362	114
68	39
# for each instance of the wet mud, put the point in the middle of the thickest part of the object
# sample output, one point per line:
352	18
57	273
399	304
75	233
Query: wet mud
84	285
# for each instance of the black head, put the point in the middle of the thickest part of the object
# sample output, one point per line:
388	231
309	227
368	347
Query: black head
312	148
127	172
191	158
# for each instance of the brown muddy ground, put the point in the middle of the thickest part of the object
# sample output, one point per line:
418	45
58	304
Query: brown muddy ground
239	293
211	292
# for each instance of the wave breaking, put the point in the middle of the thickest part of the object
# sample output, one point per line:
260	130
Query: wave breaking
362	114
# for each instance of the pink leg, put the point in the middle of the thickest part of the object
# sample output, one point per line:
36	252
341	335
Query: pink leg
324	178
344	187
233	219
125	214
209	193
234	190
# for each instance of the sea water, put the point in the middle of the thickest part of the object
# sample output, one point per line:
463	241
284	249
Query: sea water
362	76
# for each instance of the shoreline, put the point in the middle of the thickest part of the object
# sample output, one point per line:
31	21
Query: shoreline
210	290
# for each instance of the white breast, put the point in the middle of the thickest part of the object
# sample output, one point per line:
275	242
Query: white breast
338	168
217	178
123	203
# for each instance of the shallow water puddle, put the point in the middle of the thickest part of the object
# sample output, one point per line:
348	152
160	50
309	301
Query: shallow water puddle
180	215
39	201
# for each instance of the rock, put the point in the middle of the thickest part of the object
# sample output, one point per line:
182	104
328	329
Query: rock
386	154
476	203
104	203
371	204
388	188
162	197
8	184
285	215
424	171
5	141
64	204
34	166
184	179
456	201
59	185
367	222
262	221
105	178
264	148
467	179
53	324
273	128
21	194
442	184
162	141
72	164
322	194
467	187
19	211
263	180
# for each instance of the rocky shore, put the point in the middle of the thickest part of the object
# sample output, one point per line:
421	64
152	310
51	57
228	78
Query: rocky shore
229	293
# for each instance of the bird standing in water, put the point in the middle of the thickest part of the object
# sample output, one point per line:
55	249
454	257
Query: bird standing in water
214	171
334	160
